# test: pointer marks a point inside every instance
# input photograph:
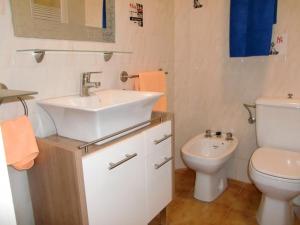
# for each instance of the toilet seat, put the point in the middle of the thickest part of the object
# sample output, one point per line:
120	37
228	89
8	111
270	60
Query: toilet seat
277	163
260	175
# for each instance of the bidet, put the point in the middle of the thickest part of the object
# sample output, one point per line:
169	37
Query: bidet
207	156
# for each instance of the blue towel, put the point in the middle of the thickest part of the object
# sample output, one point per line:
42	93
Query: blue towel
104	22
251	25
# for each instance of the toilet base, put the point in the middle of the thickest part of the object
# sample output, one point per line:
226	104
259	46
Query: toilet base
297	212
296	202
210	186
275	212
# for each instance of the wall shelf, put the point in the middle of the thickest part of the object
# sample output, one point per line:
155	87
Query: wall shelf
39	54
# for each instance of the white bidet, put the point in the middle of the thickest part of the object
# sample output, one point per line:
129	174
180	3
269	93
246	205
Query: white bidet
207	156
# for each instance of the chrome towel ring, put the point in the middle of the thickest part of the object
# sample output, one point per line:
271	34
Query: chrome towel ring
24	105
5	93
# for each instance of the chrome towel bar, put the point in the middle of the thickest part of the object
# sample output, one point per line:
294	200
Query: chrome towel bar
125	76
139	126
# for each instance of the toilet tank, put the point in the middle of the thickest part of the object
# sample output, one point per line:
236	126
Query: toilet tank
278	123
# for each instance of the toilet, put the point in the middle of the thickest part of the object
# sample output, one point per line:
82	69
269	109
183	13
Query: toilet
275	166
207	156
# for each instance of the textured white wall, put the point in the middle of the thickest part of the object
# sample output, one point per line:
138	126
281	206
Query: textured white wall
210	87
7	211
58	74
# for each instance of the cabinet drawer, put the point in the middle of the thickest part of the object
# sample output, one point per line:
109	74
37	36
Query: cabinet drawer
158	137
159	182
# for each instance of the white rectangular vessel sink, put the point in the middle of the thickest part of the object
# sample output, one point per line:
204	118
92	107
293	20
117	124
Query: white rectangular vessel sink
101	114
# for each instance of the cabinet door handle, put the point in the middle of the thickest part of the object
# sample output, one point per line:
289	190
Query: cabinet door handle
127	157
166	136
157	166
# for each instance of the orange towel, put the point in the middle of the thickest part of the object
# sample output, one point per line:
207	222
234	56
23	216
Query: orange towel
156	82
136	84
19	143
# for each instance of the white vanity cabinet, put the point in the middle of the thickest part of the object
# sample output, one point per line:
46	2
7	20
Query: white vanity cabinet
115	187
159	168
125	182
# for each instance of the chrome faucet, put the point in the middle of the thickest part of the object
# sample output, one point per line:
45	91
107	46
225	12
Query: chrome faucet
229	136
208	134
86	84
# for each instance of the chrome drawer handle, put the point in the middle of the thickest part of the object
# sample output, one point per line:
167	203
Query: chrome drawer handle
157	166
128	157
166	136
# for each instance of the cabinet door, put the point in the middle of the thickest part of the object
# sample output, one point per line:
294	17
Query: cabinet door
159	169
116	196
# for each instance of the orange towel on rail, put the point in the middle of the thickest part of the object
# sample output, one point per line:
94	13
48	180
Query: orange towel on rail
156	82
19	143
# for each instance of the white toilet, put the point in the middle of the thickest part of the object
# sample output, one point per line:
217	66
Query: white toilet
207	156
275	166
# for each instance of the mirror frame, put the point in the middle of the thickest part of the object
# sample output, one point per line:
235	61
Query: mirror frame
27	26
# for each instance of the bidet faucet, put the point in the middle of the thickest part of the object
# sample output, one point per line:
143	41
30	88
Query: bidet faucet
229	136
86	84
208	134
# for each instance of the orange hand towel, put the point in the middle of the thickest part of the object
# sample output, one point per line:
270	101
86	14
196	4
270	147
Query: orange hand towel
156	82
19	143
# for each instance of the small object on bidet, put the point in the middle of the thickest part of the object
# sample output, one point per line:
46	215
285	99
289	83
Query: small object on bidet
229	136
208	134
218	134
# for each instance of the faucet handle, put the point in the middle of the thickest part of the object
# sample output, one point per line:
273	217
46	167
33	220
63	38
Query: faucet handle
87	75
208	134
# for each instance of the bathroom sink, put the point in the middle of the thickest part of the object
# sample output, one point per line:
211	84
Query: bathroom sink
101	114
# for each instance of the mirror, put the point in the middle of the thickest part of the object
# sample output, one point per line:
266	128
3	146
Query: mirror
81	20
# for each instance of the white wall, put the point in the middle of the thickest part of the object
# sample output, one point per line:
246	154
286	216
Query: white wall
210	87
58	74
7	211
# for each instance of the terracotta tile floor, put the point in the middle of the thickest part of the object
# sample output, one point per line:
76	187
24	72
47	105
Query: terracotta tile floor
236	206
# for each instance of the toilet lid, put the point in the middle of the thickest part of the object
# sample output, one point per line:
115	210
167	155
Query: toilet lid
276	162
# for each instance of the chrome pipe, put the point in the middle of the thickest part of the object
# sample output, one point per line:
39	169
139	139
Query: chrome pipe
251	119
